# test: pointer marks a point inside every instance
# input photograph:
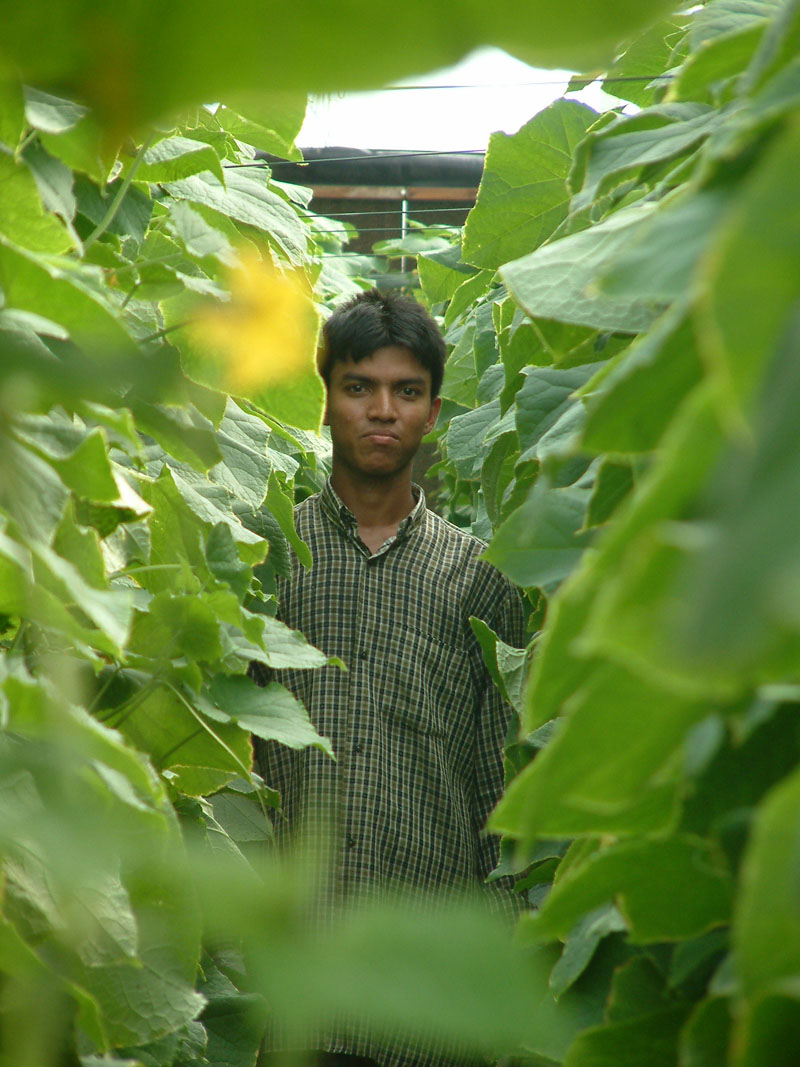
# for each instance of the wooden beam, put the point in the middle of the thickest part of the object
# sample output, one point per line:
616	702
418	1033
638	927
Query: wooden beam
392	192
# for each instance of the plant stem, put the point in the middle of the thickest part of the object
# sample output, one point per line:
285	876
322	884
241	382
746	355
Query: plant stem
114	207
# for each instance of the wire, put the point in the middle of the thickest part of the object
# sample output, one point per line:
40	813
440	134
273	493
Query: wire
397	211
525	85
385	229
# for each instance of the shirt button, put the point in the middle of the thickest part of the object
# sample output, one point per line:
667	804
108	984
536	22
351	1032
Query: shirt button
351	841
363	654
358	747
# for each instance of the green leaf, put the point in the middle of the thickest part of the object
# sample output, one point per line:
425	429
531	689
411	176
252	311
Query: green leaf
284	647
689	448
280	504
520	205
631	75
770	1032
613	483
560	279
53	180
84	148
176	625
111	611
182	432
752	272
540	543
242	817
497	472
465	435
199	237
581	944
167	726
320	49
460	383
224	562
718	60
604	757
662	258
269	122
546	394
634	402
631	142
651	1038
132	215
506	664
245	468
82	548
666	889
271	713
246	197
64	293
438	280
767	942
51	114
31	491
88	470
729	16
753	499
12	107
173	158
466	294
637	988
705	1038
23	218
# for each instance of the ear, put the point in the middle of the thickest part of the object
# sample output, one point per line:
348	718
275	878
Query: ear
433	415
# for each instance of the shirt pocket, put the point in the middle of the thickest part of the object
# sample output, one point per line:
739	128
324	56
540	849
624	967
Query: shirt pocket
425	684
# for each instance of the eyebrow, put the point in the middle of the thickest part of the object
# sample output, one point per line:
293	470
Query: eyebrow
351	376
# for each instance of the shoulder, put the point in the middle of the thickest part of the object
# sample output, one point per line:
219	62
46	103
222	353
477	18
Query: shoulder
448	534
464	550
308	512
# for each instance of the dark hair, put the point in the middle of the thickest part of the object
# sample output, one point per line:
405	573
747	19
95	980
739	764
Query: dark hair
373	320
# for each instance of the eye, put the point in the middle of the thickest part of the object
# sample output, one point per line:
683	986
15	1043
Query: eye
354	387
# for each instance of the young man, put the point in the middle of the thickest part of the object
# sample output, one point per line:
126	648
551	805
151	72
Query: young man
416	723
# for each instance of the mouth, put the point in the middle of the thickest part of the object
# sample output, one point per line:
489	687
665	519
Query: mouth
381	437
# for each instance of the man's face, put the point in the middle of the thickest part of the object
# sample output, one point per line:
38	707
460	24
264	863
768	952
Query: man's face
379	409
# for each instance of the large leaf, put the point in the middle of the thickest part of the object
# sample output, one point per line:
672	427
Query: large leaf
246	197
271	713
314	48
545	396
173	158
752	272
635	401
61	292
666	889
540	543
559	280
688	451
23	218
618	740
633	142
520	206
270	123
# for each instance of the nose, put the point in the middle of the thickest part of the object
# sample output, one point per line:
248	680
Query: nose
382	406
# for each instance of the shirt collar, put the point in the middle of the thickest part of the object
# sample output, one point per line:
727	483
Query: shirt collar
341	514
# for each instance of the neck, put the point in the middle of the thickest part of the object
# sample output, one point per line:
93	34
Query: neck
375	502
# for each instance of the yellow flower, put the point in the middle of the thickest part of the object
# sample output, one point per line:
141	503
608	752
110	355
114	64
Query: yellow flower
265	334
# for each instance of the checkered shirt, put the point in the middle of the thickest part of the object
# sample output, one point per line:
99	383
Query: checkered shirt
416	722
